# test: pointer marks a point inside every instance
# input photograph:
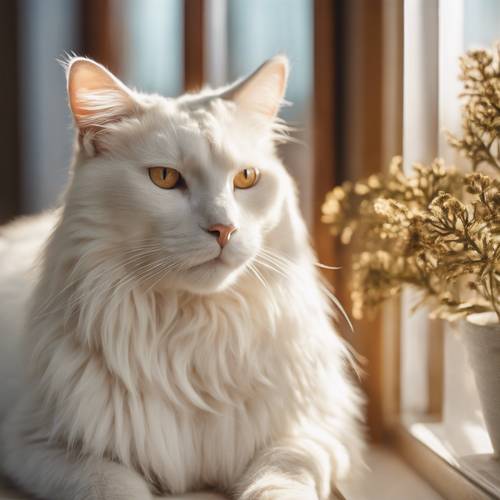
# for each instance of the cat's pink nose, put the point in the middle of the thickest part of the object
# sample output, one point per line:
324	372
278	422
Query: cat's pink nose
223	233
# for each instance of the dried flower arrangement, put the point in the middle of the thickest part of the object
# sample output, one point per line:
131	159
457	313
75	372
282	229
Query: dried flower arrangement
439	229
480	72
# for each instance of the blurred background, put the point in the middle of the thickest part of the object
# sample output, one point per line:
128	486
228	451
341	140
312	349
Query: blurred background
370	79
162	46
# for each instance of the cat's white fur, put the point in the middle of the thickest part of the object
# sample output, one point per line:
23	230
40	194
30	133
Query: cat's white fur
154	363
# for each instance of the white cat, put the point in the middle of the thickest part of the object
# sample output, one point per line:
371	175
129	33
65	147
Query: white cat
178	338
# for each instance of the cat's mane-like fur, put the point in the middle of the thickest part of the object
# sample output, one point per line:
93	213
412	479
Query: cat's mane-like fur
244	388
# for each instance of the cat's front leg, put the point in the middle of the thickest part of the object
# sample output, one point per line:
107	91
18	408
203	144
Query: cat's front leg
195	496
293	469
51	472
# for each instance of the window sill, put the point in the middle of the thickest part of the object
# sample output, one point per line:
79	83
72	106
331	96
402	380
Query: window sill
475	464
424	446
389	478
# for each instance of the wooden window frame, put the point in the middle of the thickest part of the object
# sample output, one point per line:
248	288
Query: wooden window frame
324	127
344	109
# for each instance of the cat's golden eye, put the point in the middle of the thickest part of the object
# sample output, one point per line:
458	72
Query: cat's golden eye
247	178
164	177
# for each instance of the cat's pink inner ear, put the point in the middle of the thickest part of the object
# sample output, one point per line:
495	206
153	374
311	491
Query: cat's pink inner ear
263	91
96	96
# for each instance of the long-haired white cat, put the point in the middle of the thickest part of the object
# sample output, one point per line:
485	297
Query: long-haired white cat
173	335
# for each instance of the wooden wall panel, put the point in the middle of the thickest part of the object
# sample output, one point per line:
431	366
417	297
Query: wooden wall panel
392	144
101	32
10	166
360	156
358	122
324	138
194	50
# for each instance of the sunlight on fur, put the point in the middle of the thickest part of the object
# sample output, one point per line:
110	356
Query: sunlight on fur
141	357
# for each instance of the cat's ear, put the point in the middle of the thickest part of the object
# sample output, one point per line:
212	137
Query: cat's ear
263	91
96	96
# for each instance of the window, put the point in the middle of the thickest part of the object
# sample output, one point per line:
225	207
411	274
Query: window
396	66
439	401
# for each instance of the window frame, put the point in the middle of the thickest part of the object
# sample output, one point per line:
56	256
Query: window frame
449	480
379	30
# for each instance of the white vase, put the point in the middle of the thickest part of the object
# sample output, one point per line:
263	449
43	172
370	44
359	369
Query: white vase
481	335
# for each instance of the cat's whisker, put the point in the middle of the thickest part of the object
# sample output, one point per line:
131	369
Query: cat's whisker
284	265
258	276
131	261
277	266
115	286
142	273
273	256
162	273
266	286
45	309
74	277
277	258
122	281
326	266
339	306
317	264
271	266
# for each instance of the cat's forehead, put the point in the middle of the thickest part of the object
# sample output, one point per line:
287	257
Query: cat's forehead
205	128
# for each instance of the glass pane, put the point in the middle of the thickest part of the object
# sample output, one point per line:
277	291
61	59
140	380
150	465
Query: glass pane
477	25
48	31
481	23
152	45
458	433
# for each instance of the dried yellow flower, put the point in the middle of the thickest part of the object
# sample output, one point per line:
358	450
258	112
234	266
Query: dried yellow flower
418	231
438	229
480	72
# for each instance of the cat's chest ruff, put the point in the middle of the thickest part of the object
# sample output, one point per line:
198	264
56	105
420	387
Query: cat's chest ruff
201	423
184	393
194	397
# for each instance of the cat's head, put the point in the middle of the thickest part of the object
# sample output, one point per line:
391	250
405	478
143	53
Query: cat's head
182	191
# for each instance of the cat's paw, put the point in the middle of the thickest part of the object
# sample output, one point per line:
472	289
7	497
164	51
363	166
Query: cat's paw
287	494
291	492
195	496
